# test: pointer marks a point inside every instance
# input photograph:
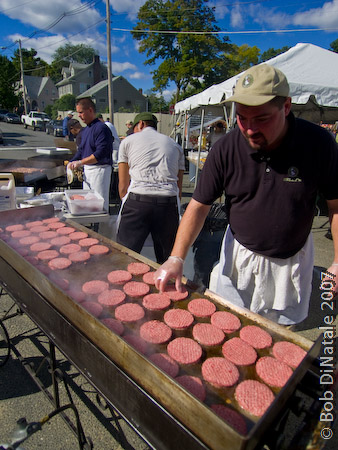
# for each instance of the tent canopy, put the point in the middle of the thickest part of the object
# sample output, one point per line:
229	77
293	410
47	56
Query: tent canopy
310	70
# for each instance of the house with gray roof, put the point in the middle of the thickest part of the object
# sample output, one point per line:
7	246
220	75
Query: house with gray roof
40	92
126	97
78	78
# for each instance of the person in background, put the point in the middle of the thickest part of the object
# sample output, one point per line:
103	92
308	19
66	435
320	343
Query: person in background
94	152
151	167
271	167
130	127
116	139
76	129
66	133
216	133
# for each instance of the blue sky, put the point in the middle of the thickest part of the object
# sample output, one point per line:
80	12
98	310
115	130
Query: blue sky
46	25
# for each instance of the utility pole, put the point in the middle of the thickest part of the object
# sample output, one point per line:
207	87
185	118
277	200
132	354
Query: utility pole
22	79
110	75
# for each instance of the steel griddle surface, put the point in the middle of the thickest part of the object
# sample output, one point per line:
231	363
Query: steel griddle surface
171	395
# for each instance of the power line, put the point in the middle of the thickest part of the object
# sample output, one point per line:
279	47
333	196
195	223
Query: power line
226	32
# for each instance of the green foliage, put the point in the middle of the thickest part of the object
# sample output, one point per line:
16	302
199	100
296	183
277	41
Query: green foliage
49	111
334	46
157	104
241	58
8	99
63	56
272	52
32	65
64	103
185	59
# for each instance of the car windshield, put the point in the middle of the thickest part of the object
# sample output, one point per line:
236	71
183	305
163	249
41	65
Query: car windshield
12	115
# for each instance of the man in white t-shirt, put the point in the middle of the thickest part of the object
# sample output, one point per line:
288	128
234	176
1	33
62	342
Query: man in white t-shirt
151	167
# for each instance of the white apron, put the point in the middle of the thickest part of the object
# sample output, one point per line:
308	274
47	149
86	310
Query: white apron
279	289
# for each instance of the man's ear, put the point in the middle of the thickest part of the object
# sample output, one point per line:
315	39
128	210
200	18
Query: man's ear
287	106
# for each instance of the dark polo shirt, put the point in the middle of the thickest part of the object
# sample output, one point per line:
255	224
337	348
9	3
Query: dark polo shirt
96	139
272	195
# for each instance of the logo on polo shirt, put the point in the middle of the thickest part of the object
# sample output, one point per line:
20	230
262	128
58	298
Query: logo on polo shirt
293	175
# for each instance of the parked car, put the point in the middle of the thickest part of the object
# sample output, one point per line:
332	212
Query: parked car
12	118
2	113
1	138
54	127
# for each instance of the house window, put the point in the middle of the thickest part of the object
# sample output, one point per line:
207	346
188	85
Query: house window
90	73
102	100
128	103
47	92
83	87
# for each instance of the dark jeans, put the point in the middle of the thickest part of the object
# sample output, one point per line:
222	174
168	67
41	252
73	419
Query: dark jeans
139	219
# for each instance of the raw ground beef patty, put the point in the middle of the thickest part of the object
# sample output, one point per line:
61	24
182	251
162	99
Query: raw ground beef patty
119	277
98	250
289	353
156	302
226	321
129	312
255	336
138	268
207	334
239	352
136	288
155	332
166	363
94	287
201	307
59	263
273	372
254	397
111	297
178	319
220	372
113	325
232	417
174	295
193	385
184	350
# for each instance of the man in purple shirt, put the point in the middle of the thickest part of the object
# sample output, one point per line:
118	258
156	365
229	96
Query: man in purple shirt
94	152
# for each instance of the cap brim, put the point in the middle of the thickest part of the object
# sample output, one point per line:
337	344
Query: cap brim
250	100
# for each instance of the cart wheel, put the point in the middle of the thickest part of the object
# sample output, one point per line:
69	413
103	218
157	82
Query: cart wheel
4	345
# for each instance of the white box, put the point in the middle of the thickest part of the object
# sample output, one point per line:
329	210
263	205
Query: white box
82	201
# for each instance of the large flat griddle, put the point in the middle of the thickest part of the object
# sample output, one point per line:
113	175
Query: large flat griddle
184	413
28	171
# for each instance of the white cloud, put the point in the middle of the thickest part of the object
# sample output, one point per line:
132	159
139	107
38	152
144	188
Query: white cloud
220	9
324	17
118	67
42	14
236	17
130	7
139	76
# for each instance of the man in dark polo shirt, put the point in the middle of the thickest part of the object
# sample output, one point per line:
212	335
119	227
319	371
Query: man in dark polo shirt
271	168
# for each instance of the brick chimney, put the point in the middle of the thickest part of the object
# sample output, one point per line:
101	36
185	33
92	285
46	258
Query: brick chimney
97	69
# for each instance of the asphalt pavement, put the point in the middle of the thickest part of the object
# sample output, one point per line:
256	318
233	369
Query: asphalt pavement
19	396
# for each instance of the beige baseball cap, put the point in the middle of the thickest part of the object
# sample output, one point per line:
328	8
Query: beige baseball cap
259	85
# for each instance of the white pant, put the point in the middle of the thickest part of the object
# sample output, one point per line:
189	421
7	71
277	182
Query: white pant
279	289
97	178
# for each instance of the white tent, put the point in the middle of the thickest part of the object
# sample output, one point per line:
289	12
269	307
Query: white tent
311	72
312	75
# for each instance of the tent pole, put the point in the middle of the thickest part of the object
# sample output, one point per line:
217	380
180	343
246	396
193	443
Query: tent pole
226	116
199	146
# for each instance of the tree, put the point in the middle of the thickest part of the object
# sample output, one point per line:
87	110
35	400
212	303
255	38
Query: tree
63	56
64	103
157	103
32	65
185	59
272	52
241	58
334	46
8	99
